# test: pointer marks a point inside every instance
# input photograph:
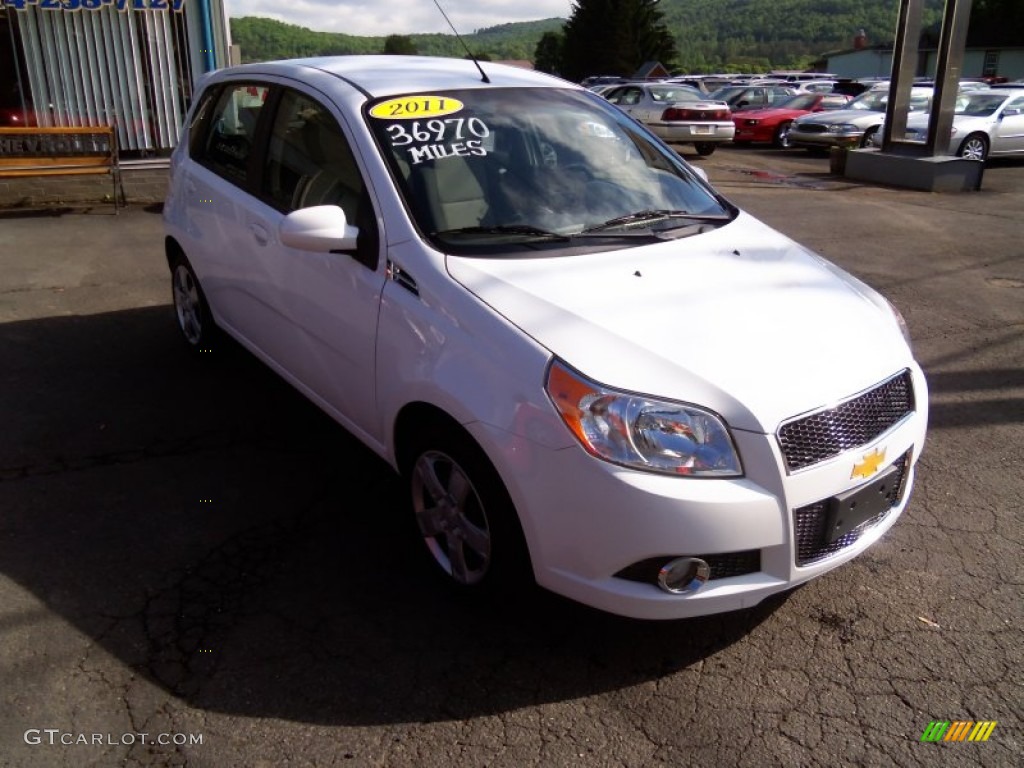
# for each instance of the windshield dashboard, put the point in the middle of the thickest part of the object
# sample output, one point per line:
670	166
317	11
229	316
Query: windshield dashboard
529	171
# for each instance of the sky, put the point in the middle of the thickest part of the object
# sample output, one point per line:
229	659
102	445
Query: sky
378	18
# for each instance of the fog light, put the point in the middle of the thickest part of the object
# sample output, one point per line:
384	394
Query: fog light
684	575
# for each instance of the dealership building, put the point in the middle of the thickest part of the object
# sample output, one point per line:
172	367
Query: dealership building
128	64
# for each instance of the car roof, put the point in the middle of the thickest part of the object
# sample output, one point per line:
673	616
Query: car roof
381	75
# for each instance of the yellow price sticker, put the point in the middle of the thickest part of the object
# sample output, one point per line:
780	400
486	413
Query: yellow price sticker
416	107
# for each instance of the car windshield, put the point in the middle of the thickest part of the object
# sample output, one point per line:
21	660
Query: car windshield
492	171
875	101
870	101
800	101
732	95
668	93
979	104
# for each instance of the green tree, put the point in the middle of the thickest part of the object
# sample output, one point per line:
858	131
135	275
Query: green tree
614	37
400	45
548	55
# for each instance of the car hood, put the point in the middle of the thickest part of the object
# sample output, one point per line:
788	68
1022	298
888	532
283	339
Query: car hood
740	319
852	116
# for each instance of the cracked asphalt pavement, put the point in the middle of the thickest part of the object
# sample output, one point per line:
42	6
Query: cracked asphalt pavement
190	551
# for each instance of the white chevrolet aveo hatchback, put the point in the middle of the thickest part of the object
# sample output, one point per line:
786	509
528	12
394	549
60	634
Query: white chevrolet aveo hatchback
591	369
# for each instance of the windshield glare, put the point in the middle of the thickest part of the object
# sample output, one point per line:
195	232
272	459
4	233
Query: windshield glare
979	104
514	164
875	101
872	101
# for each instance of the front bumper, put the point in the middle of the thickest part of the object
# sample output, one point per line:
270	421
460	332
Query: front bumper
823	140
591	539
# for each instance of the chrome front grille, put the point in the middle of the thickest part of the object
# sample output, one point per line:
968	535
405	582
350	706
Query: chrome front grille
809	521
816	437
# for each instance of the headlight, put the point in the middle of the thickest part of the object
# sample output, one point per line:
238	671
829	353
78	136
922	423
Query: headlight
753	122
901	322
642	432
842	128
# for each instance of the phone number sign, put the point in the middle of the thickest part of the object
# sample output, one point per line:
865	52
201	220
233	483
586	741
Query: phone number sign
94	5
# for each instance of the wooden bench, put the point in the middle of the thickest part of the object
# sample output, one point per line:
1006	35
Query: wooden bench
62	152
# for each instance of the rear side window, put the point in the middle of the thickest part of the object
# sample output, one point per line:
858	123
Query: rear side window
228	144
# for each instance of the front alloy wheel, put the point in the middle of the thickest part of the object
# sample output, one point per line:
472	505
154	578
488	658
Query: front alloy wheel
451	517
782	136
975	147
464	513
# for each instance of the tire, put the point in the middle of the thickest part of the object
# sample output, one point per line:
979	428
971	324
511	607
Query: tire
705	148
974	147
781	137
865	140
464	514
190	307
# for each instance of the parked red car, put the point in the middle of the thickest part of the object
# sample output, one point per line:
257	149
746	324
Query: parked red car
772	124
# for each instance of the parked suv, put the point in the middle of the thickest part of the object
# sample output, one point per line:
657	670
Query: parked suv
590	368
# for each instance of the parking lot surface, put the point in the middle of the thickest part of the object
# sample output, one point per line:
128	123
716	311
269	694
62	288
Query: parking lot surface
198	568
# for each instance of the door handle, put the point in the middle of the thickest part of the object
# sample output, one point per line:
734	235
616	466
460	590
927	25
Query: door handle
259	232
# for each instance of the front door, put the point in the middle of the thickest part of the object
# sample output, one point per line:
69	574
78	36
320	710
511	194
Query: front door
328	301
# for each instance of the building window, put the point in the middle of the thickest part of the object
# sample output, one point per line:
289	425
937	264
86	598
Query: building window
100	66
991	66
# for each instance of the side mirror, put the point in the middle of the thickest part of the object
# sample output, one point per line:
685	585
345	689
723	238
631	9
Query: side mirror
1011	111
322	228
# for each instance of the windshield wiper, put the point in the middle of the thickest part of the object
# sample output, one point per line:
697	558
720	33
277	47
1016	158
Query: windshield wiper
505	229
641	217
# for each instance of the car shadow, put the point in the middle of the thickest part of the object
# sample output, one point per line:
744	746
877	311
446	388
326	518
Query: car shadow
219	536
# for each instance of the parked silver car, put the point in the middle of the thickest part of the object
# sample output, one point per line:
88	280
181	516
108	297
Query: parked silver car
985	123
678	114
853	126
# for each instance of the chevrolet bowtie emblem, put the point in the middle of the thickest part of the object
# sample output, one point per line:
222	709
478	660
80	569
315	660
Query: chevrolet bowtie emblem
868	467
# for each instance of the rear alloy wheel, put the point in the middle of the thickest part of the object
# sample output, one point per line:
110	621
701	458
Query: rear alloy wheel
705	148
975	147
465	515
781	139
193	313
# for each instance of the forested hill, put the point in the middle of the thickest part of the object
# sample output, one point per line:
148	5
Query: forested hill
265	39
710	34
775	33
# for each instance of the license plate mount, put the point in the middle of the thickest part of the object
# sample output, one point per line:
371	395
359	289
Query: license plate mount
847	511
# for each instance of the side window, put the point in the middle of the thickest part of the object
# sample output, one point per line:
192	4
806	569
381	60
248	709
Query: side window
228	143
200	120
309	161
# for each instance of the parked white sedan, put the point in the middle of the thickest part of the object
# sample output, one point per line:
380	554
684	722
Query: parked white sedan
591	369
677	113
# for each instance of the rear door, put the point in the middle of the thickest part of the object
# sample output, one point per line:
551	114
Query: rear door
219	184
